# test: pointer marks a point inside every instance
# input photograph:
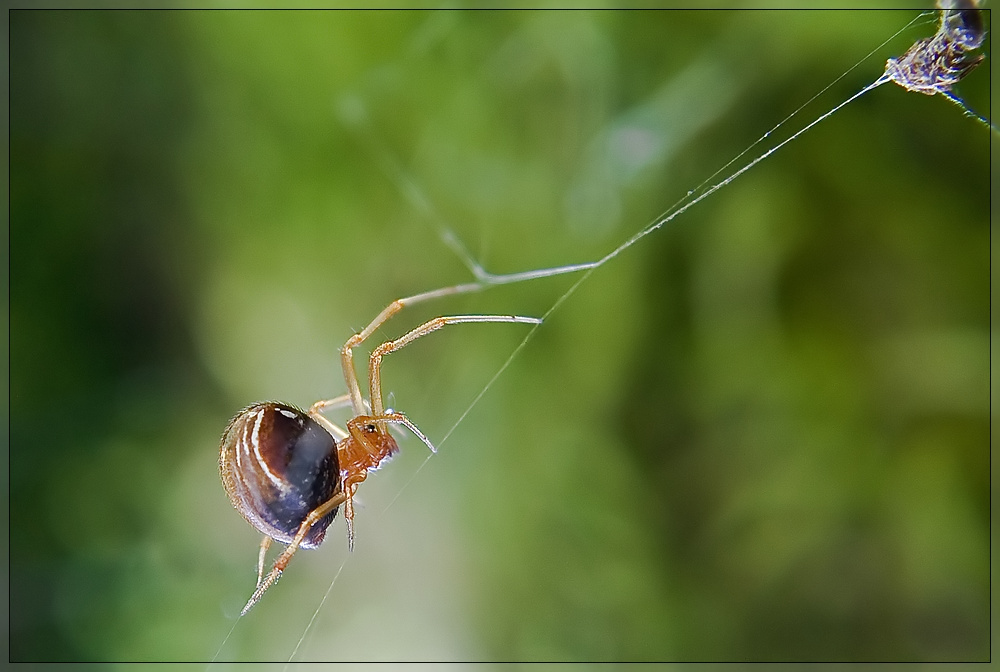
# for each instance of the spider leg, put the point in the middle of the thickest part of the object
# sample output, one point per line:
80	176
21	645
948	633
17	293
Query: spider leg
315	412
375	362
346	352
282	561
264	545
349	516
327	404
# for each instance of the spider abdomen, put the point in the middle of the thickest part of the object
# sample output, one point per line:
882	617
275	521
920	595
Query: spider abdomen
277	465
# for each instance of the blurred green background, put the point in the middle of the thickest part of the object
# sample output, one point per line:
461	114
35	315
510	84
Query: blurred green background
762	433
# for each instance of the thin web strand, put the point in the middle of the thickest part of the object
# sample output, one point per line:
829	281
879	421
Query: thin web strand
224	641
719	185
312	620
804	105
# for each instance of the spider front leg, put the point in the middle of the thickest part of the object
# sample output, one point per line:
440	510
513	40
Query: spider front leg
375	361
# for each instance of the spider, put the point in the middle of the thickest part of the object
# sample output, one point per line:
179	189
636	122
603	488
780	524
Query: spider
287	471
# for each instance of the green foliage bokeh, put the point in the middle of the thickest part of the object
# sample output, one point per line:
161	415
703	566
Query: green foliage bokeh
761	433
